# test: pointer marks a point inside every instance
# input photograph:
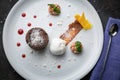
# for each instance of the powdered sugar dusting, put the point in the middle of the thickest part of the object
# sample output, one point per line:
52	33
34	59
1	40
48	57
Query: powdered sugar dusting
36	38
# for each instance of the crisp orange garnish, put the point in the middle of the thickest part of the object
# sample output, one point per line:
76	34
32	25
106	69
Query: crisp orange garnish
83	21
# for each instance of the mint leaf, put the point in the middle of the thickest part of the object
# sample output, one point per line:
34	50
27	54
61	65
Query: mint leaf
55	9
78	46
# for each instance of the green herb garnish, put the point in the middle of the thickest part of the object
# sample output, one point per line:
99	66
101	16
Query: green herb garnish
78	46
55	8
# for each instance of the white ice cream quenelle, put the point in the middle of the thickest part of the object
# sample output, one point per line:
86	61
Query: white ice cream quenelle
57	46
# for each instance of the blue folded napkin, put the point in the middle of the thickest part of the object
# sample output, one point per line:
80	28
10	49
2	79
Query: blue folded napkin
112	68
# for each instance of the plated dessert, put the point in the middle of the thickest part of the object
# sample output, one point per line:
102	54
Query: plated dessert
71	55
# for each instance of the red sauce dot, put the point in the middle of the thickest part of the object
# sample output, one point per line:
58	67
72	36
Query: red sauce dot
18	44
50	24
20	31
29	24
23	14
23	56
34	16
59	66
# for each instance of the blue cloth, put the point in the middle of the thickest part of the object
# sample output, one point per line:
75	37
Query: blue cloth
112	68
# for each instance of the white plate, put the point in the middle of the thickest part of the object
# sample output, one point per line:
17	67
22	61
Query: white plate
43	65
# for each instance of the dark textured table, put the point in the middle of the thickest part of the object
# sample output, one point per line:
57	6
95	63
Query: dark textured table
105	9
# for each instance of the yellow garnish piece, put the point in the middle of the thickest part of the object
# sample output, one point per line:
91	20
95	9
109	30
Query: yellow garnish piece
83	21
